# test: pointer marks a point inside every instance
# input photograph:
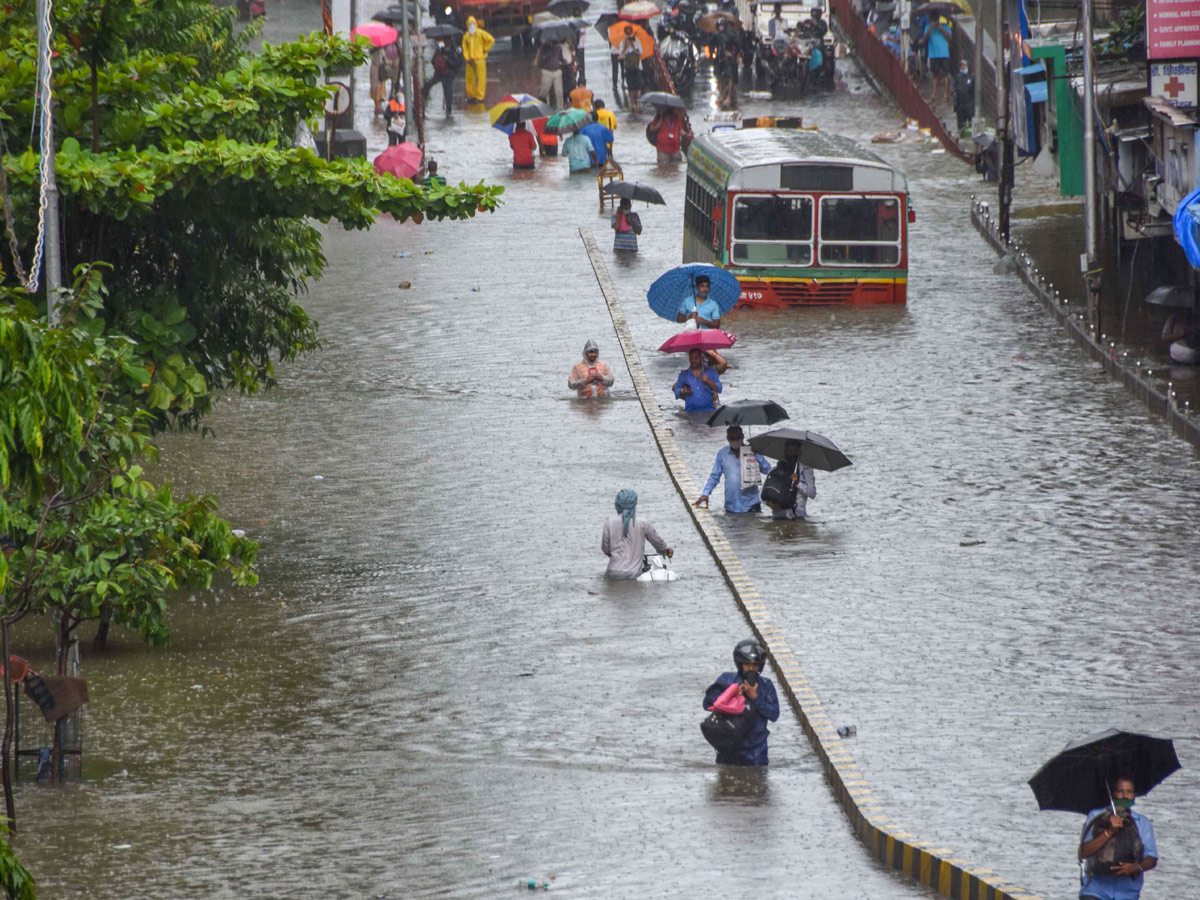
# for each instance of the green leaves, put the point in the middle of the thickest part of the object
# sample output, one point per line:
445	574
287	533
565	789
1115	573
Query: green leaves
198	197
88	530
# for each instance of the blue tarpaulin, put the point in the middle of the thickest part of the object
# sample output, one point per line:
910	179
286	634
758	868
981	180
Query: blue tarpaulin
1187	223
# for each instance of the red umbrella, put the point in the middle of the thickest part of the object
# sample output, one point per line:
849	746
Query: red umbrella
401	160
704	339
377	33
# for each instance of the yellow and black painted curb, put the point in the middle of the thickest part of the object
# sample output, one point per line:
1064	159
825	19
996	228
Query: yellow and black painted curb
933	866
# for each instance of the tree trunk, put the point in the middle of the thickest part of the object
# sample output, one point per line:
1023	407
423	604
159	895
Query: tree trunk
100	641
63	642
6	745
95	109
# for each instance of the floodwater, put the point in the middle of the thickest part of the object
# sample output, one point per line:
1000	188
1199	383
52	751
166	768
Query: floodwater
433	692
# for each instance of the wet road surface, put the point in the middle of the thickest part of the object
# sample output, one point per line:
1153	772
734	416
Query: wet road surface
434	693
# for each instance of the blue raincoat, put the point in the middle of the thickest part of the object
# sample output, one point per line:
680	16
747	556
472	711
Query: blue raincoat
753	751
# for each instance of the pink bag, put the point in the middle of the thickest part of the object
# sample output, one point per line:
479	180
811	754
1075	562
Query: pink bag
731	702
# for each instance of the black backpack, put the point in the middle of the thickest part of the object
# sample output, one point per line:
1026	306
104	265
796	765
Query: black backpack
1125	846
726	732
778	489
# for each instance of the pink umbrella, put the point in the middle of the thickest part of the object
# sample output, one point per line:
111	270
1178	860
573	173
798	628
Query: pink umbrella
377	33
401	160
705	339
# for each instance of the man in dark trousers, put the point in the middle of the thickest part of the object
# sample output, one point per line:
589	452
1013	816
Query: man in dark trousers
964	96
447	60
749	658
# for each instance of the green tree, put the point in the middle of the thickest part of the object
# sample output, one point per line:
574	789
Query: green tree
85	531
179	166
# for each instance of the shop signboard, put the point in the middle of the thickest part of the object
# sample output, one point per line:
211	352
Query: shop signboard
1172	29
1175	82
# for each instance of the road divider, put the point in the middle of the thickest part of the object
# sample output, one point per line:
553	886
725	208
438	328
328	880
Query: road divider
926	862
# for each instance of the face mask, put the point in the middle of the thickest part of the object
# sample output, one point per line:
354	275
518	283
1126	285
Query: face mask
471	28
735	445
1122	803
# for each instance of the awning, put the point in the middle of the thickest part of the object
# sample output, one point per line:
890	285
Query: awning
1036	91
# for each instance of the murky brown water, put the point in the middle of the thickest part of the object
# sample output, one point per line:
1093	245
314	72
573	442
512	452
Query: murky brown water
434	693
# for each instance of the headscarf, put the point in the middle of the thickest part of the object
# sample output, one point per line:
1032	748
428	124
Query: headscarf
588	347
626	504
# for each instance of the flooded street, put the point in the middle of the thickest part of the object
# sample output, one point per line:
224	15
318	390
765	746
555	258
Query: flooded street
433	691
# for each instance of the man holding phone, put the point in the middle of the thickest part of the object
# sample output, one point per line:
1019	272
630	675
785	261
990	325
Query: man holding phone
590	377
761	702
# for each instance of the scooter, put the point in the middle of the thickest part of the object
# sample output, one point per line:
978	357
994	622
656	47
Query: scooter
658	568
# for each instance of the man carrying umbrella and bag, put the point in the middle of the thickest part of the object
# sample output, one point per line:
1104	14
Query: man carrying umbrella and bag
1117	848
1100	775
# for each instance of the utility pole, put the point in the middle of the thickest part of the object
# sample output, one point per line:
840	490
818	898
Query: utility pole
406	62
1091	271
1003	125
53	256
977	68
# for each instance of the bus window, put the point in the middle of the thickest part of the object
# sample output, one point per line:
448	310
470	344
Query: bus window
772	230
698	211
860	230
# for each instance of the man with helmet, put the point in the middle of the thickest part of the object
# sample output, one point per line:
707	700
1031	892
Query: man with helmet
817	25
761	701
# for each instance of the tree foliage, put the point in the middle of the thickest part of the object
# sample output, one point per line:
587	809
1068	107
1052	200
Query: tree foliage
180	167
15	880
85	529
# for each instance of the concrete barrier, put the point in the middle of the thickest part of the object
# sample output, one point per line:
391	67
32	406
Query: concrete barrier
932	865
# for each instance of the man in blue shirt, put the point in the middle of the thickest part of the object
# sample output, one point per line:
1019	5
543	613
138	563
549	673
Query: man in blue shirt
601	138
699	307
698	385
937	40
1124	881
579	151
728	465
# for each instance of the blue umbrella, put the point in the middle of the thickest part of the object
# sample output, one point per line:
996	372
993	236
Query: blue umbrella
670	288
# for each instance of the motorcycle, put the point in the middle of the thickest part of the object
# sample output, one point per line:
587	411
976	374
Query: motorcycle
679	56
781	65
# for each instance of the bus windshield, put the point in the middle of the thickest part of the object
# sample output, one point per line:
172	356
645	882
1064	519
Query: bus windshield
860	230
772	230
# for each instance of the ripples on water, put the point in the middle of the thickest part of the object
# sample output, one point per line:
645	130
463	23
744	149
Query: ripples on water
433	692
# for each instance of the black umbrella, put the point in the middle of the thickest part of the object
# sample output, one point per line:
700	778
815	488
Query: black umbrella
1172	296
634	191
604	23
816	450
394	15
566	8
662	98
525	112
1079	777
551	32
442	31
748	412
